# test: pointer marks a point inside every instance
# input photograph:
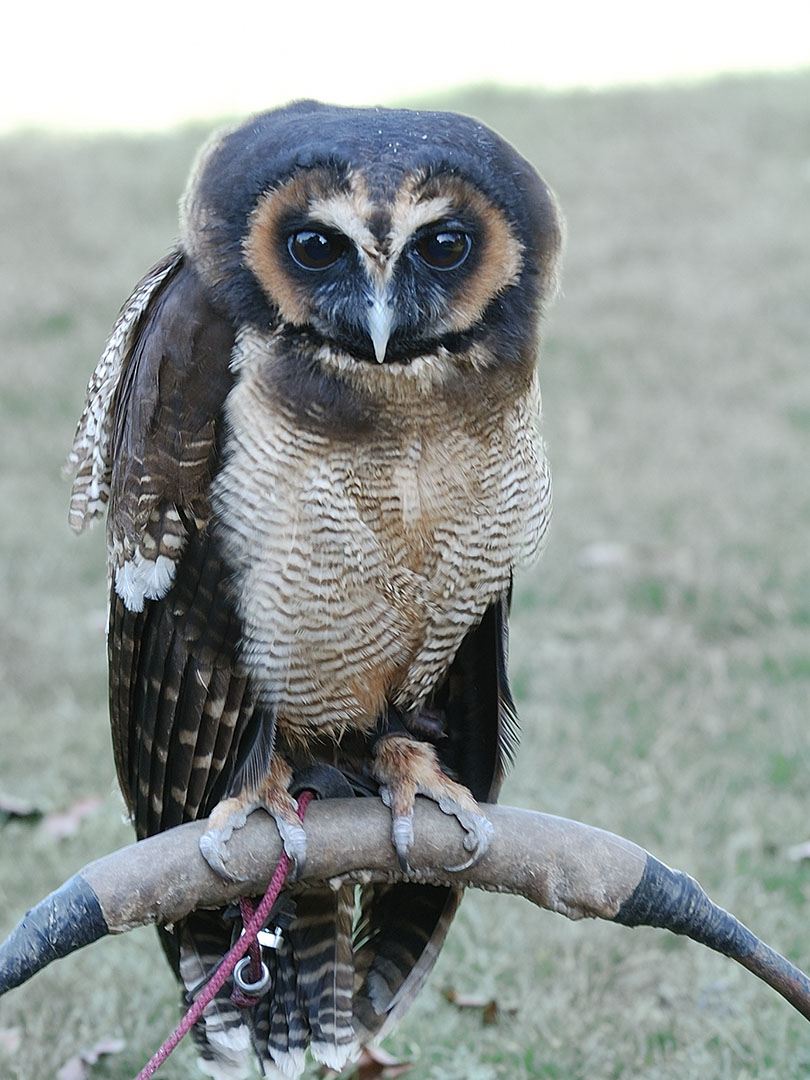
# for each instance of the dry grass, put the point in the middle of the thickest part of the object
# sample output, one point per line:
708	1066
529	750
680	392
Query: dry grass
661	649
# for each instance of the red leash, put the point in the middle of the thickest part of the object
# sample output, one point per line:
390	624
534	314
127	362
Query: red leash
231	958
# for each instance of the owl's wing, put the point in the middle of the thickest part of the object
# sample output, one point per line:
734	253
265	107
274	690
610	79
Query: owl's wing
147	445
183	714
482	723
91	456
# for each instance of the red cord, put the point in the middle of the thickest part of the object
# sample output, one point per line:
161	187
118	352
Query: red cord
231	958
256	969
247	911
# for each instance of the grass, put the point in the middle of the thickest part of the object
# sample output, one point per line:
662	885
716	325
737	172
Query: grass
660	648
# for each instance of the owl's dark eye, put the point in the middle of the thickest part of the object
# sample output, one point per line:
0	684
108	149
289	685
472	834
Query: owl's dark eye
315	250
444	249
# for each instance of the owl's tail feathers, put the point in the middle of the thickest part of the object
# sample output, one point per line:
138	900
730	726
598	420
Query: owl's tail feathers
321	940
312	972
279	1022
309	1003
222	1036
397	941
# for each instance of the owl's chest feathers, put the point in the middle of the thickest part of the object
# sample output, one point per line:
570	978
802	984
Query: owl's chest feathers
362	562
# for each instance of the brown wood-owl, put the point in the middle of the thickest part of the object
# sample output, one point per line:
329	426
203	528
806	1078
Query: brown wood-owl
315	431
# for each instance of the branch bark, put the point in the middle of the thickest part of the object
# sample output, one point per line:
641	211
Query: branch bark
564	866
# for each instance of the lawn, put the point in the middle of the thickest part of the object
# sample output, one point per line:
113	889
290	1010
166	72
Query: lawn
660	649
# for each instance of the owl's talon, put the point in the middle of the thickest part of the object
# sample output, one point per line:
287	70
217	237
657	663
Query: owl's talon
213	842
477	827
213	850
401	829
402	838
405	769
272	796
294	838
227	817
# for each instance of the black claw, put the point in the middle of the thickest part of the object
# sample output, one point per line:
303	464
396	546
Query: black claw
297	868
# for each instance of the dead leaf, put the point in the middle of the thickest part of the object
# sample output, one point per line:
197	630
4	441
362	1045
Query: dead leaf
374	1063
62	824
490	1013
10	1039
490	1008
11	808
466	1001
78	1067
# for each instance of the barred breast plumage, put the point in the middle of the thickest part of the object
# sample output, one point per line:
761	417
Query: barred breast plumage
364	558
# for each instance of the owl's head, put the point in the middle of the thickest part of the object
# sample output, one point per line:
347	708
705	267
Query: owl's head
375	236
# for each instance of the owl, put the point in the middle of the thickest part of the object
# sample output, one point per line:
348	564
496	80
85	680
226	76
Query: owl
314	432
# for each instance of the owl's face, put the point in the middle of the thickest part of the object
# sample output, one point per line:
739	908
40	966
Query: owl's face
375	236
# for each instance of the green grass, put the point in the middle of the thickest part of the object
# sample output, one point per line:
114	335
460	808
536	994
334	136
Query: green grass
660	648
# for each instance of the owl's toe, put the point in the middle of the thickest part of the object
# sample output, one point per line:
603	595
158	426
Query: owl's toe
477	826
271	795
229	815
406	768
401	827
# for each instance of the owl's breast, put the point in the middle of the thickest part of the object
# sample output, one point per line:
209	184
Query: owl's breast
360	565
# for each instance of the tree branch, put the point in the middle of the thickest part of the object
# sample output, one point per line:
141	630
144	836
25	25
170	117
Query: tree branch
564	866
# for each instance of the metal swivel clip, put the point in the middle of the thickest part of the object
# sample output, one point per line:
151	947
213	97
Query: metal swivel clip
267	939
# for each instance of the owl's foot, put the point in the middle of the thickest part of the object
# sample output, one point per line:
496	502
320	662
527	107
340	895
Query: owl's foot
405	769
232	813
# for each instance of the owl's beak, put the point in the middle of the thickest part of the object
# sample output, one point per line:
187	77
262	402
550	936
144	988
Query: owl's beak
380	322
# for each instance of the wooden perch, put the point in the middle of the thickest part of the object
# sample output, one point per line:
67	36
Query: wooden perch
564	866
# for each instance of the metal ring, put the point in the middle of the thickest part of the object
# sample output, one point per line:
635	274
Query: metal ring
252	988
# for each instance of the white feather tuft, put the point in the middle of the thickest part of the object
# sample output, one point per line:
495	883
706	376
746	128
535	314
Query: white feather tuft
288	1066
229	1043
225	1068
334	1057
140	579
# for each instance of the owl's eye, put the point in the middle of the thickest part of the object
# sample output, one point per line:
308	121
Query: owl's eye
315	250
444	249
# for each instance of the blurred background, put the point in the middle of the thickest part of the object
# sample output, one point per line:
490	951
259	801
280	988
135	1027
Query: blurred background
95	66
660	648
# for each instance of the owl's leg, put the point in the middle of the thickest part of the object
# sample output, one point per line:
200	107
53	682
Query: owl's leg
272	795
404	769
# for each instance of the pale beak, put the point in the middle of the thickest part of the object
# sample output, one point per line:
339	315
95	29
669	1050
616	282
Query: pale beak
380	322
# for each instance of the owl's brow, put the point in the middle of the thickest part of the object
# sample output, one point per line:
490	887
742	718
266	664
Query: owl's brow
410	213
350	211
